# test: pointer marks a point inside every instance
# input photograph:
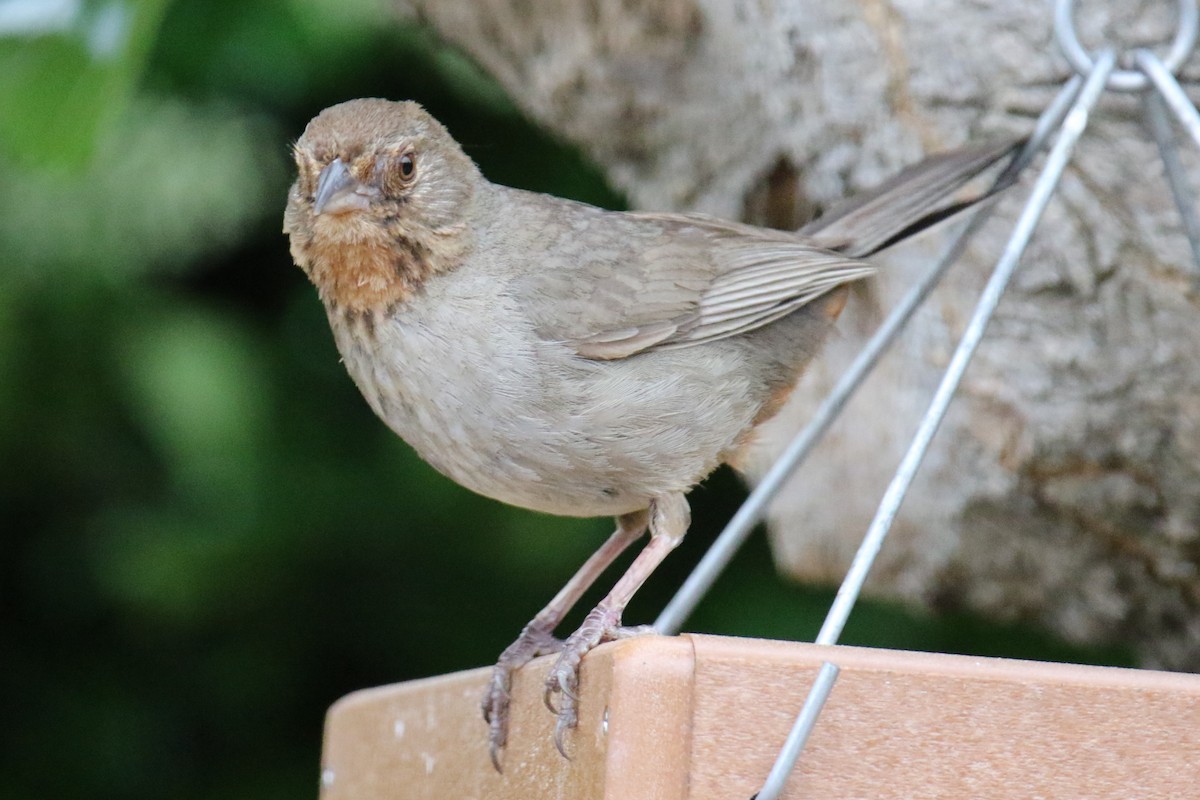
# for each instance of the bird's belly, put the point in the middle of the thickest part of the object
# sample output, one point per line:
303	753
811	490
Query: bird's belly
497	418
520	421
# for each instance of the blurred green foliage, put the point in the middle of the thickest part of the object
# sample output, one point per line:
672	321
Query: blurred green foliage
67	68
208	538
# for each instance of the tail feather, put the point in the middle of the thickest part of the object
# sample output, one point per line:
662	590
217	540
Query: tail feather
913	200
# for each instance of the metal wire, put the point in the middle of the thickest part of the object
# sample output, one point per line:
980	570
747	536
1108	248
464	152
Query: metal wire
1171	91
751	512
1079	96
1073	126
1185	201
1101	74
801	730
1124	80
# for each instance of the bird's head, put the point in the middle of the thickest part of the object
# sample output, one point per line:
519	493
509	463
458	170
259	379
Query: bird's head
380	202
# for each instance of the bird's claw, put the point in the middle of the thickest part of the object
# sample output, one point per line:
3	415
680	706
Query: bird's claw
601	625
496	699
563	680
534	641
560	729
632	631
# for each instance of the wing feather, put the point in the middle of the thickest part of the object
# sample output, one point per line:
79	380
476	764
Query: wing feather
638	282
689	279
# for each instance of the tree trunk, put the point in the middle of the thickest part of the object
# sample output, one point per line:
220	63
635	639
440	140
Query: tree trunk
1064	487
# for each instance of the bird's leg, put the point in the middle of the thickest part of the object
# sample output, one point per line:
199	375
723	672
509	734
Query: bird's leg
537	638
669	520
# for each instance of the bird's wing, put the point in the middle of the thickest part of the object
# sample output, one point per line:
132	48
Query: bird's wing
679	280
645	281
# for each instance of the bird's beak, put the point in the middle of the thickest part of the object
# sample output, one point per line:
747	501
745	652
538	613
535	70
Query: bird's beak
338	191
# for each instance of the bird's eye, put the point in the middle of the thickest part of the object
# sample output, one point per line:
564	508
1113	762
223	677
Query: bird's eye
395	173
408	167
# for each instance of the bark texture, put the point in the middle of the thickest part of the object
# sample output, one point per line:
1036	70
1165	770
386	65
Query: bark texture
1064	488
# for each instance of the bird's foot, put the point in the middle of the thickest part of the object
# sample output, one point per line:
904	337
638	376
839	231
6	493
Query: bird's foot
534	641
603	624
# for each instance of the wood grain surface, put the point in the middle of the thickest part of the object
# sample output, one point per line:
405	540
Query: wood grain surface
702	717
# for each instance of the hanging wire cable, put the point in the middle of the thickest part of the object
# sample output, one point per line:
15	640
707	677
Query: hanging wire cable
751	512
1067	116
1126	80
1073	126
1171	91
1185	201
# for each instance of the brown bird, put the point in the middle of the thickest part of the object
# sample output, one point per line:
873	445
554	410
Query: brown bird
564	358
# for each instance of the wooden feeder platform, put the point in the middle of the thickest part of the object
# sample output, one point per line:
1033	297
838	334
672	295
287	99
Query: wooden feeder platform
702	718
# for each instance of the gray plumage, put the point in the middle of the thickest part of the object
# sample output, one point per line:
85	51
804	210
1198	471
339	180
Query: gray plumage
564	358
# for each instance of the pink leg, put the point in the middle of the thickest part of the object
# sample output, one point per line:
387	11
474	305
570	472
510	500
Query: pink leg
669	520
537	637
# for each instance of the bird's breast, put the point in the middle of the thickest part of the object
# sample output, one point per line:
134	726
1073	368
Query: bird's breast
461	375
463	379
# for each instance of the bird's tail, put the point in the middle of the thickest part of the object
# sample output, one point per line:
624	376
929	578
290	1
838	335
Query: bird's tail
921	196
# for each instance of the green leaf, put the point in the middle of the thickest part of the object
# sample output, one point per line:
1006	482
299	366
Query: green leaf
67	68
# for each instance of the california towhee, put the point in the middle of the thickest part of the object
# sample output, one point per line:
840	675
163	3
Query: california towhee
565	358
